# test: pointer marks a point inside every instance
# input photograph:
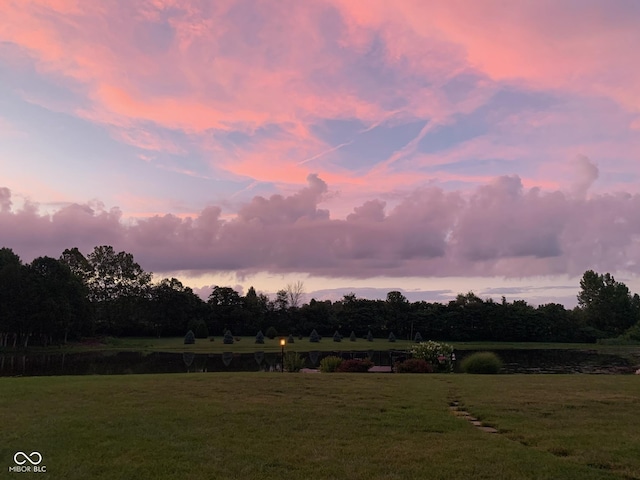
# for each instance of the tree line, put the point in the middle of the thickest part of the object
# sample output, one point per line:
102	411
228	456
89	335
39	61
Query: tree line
106	293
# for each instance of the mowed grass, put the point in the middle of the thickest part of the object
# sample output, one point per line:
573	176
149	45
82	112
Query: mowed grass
244	345
322	426
587	419
247	345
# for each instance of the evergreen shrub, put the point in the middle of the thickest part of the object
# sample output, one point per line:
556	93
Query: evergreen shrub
189	338
314	337
271	332
228	338
260	337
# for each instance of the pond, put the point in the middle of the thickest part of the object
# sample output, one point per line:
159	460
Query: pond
117	363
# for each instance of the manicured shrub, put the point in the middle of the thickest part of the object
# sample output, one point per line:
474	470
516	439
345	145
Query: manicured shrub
369	336
435	353
352	337
417	338
356	365
189	338
392	337
260	337
481	362
413	365
293	362
291	339
337	337
271	332
201	330
330	364
228	338
300	337
314	337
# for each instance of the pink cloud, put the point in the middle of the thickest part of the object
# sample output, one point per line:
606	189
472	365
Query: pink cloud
502	229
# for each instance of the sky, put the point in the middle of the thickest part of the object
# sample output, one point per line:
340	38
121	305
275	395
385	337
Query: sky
432	147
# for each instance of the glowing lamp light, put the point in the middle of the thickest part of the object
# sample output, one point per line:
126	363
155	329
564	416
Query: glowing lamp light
282	342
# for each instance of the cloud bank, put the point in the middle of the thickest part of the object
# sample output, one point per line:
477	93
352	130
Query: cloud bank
499	229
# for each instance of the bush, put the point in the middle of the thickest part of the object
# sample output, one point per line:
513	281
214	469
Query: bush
330	364
314	337
260	337
293	362
201	330
356	365
228	338
337	337
291	339
481	362
413	365
369	336
417	338
435	353
272	332
352	337
392	337
189	338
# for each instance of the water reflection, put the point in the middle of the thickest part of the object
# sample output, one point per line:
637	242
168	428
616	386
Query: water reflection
111	363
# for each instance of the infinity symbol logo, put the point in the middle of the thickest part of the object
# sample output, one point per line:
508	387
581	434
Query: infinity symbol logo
28	458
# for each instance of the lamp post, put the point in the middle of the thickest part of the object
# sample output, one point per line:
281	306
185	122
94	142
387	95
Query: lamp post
282	342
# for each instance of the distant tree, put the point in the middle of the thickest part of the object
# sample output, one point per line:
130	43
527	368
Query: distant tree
392	337
260	337
295	292
337	337
290	339
118	288
417	338
352	337
272	332
607	304
189	338
201	330
369	336
228	338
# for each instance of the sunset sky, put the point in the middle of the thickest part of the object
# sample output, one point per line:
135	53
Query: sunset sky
435	147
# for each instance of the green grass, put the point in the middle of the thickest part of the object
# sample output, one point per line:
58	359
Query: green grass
248	345
245	345
587	419
323	426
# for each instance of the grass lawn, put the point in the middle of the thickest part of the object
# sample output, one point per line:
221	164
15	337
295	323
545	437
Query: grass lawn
244	345
248	345
323	426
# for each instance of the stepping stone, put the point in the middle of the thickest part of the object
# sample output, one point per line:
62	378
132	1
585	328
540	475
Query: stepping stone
488	429
476	423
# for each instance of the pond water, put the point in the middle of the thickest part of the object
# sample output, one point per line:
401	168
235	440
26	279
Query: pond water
116	363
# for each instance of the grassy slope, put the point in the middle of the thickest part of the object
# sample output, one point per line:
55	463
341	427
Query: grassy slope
273	426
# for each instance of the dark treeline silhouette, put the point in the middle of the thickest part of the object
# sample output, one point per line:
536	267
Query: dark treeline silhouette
106	293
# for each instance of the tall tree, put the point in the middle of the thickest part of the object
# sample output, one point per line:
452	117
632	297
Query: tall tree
607	304
119	287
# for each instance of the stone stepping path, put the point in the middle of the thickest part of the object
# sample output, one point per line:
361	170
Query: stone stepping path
458	412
